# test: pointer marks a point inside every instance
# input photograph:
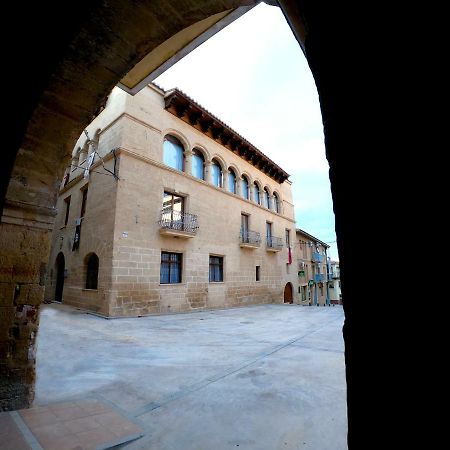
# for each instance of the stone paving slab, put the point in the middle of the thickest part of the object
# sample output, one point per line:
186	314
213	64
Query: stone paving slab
88	424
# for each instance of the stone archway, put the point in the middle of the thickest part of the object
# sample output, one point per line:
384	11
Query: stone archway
288	296
74	57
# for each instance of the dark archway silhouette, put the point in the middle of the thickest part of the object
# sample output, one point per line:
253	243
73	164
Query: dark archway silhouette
60	267
363	96
288	296
92	263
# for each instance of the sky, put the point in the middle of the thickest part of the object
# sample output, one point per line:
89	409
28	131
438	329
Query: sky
253	76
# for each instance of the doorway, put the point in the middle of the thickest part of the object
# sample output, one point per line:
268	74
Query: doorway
288	297
60	267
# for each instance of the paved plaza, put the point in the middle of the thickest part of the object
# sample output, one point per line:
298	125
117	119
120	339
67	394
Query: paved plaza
257	378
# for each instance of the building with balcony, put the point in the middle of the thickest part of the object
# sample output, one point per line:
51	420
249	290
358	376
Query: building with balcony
165	208
312	269
334	283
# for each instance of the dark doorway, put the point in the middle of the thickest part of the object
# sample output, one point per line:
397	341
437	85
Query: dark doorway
60	267
288	297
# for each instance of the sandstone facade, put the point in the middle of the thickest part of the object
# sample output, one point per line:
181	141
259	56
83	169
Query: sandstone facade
122	223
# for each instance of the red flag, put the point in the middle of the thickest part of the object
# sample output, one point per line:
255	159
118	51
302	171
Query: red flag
289	255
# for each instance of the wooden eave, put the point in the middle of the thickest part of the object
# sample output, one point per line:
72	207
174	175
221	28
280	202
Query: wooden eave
183	107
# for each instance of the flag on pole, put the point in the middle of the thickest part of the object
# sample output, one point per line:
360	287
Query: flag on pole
88	165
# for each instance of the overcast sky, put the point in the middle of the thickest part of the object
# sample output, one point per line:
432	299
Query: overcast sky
254	77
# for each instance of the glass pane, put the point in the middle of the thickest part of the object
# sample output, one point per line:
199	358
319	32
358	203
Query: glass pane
244	188
268	230
197	166
173	153
257	197
164	278
277	203
266	199
244	222
216	175
178	203
232	182
175	275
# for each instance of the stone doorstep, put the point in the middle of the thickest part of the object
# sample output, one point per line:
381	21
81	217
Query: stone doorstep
77	425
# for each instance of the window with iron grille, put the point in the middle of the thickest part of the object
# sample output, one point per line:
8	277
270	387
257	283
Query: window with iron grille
215	268
171	264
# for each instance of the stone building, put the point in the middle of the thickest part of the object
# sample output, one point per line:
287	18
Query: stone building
312	269
165	208
334	283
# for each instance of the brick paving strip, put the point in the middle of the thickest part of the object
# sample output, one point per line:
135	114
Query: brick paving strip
77	425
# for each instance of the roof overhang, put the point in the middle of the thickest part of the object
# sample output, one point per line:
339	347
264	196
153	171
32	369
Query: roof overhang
186	109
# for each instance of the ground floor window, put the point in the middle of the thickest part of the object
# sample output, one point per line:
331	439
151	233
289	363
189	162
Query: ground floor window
170	268
91	271
215	268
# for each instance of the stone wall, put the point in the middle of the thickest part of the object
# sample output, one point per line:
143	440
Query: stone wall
121	221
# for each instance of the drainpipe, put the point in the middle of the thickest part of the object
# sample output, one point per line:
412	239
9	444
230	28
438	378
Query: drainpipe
328	271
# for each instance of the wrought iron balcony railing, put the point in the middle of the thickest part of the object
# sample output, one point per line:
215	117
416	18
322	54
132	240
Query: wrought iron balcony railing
250	238
317	257
178	221
274	243
318	277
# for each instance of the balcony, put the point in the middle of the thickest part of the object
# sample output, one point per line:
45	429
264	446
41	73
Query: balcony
274	244
249	239
178	224
320	277
317	257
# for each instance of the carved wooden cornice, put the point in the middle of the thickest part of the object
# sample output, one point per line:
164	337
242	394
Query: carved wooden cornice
186	109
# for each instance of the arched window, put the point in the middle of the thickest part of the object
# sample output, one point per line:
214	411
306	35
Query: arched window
217	176
232	181
173	153
245	190
276	201
257	193
266	198
92	271
198	164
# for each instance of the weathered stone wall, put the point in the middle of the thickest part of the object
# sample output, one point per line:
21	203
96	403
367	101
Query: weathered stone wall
22	275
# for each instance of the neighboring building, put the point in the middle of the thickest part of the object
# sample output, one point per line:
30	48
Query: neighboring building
334	283
312	269
179	213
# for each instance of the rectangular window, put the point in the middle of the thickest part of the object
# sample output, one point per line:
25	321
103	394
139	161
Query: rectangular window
244	223
173	202
215	268
84	193
67	204
171	264
173	211
269	232
244	228
288	238
257	273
